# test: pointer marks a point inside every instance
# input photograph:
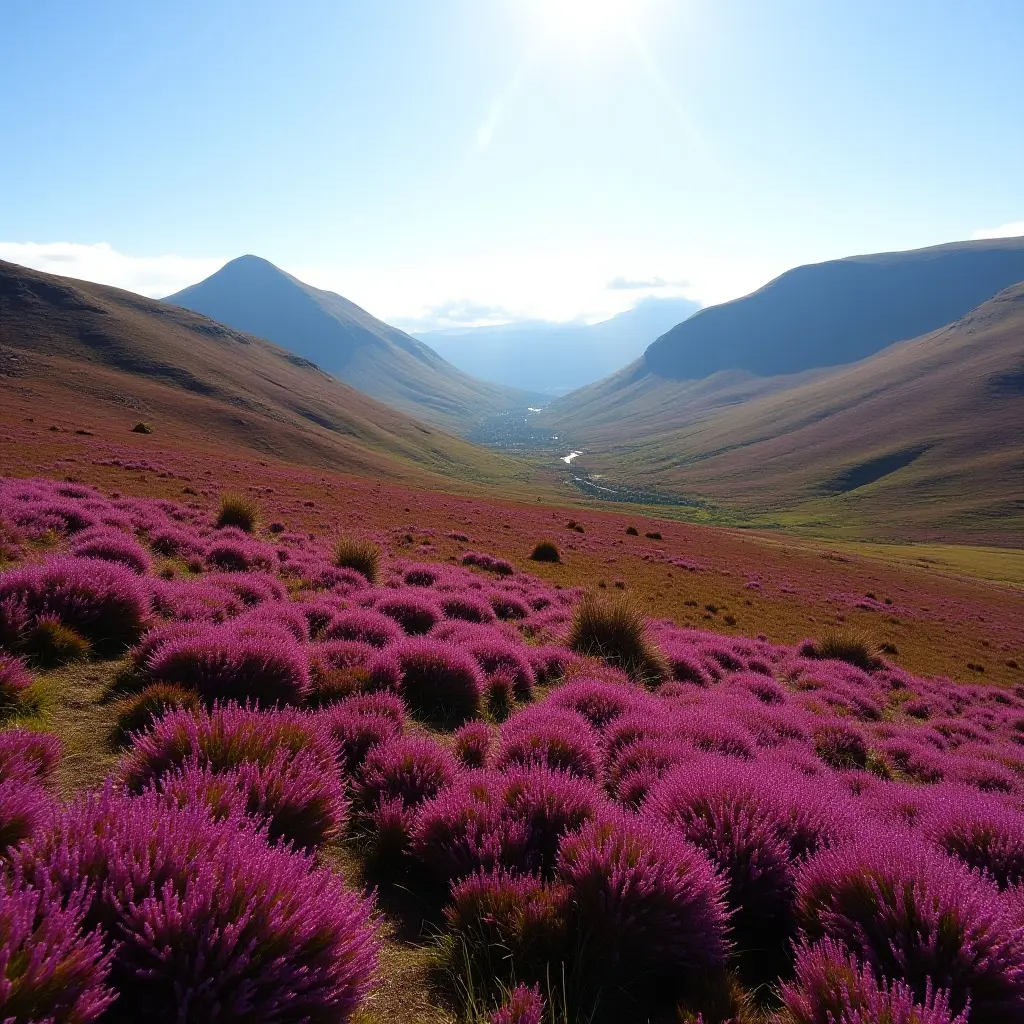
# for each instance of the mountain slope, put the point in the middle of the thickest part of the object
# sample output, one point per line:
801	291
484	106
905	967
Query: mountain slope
254	296
929	432
812	317
555	358
91	350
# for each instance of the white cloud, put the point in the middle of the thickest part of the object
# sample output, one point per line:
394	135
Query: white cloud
1011	230
155	276
529	282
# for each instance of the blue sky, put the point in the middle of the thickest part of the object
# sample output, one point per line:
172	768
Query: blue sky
447	160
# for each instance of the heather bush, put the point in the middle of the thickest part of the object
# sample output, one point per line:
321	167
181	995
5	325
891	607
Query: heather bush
840	745
981	831
644	904
496	653
509	926
546	551
113	546
29	756
555	737
365	625
599	702
467	608
210	922
440	682
50	969
833	987
472	744
508	607
523	1006
488	563
913	914
137	713
14	680
514	820
415	613
238	511
616	632
362	556
407	768
756	829
283	762
104	602
23	806
357	732
226	664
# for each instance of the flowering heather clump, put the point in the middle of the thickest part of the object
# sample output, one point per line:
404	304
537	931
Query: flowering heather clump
362	556
555	737
982	832
551	662
488	563
840	745
616	632
833	987
508	607
439	681
14	679
514	820
756	829
241	555
138	713
467	608
238	511
472	744
284	764
407	768
524	1006
23	806
175	542
29	756
414	613
104	602
226	664
357	732
646	903
495	652
510	924
50	969
913	914
113	546
211	923
366	625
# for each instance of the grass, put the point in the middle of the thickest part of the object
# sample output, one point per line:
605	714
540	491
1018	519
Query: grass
362	556
853	648
614	629
546	551
240	511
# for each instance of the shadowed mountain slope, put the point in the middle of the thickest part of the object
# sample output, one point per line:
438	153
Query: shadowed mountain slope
929	431
557	357
813	317
252	295
93	350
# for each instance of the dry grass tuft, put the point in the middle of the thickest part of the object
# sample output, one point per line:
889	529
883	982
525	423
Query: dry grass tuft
238	510
546	551
615	630
361	555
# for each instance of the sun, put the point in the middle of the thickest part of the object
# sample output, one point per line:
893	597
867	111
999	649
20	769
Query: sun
587	23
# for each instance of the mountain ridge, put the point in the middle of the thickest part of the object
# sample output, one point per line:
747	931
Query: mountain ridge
252	295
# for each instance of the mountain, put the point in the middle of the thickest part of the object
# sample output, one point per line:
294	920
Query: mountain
540	355
810	318
252	295
93	353
927	434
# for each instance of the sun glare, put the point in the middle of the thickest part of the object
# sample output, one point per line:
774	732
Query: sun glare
587	23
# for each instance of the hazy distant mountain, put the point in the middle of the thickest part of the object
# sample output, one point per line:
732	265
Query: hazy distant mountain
252	295
927	434
832	313
810	318
107	358
556	357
